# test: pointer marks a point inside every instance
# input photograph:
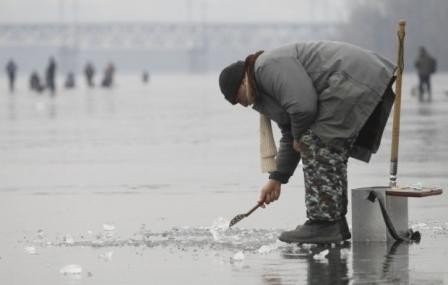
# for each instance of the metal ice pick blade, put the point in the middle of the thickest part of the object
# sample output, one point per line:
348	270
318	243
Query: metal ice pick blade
239	217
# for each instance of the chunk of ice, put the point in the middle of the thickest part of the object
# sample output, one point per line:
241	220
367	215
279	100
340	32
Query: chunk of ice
321	255
68	239
239	256
218	228
270	247
420	226
71	269
108	227
108	230
417	186
40	234
30	250
107	256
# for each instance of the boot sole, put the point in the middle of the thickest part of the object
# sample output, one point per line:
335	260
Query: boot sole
321	240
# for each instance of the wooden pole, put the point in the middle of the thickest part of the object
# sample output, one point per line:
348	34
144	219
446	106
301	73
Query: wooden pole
397	105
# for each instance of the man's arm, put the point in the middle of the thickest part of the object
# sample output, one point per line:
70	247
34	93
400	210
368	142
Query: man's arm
287	160
287	157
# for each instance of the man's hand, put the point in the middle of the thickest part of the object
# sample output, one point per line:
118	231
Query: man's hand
269	192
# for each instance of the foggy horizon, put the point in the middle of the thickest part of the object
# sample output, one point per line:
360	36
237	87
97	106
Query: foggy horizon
180	34
233	11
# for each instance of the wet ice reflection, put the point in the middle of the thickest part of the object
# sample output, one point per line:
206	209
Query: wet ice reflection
242	249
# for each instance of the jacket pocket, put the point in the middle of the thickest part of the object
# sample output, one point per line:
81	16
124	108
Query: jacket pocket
343	107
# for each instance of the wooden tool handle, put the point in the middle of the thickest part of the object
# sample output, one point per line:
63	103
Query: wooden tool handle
397	105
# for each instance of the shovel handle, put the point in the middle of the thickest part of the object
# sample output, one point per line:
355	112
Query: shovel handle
253	209
397	106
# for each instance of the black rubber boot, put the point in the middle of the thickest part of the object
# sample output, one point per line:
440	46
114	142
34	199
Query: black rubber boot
318	232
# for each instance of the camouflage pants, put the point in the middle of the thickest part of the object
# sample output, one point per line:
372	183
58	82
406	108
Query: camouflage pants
325	173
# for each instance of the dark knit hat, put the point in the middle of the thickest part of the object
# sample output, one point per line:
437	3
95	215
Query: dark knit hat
230	80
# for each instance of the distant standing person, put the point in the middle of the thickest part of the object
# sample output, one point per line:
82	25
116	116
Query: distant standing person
426	65
109	73
50	75
70	81
35	82
145	76
11	69
89	72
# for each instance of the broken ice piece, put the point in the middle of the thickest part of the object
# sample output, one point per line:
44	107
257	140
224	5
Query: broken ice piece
218	228
268	248
108	227
68	239
30	250
71	269
107	256
321	255
40	233
417	186
239	256
264	249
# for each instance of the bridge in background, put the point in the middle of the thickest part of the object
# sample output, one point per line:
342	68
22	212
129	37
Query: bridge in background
197	40
162	36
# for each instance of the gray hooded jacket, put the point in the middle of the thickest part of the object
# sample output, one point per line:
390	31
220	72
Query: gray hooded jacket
337	90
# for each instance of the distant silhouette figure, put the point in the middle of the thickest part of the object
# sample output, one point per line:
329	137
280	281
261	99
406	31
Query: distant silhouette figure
35	82
11	69
108	79
50	76
145	76
89	72
70	81
426	65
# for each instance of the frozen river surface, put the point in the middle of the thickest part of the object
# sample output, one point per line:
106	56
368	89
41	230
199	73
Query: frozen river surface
136	185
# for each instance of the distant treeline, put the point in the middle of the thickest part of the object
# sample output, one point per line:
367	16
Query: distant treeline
373	24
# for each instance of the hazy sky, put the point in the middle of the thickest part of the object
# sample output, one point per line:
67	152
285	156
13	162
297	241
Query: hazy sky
18	11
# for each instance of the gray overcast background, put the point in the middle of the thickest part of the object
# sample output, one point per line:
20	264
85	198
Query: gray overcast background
32	11
368	23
